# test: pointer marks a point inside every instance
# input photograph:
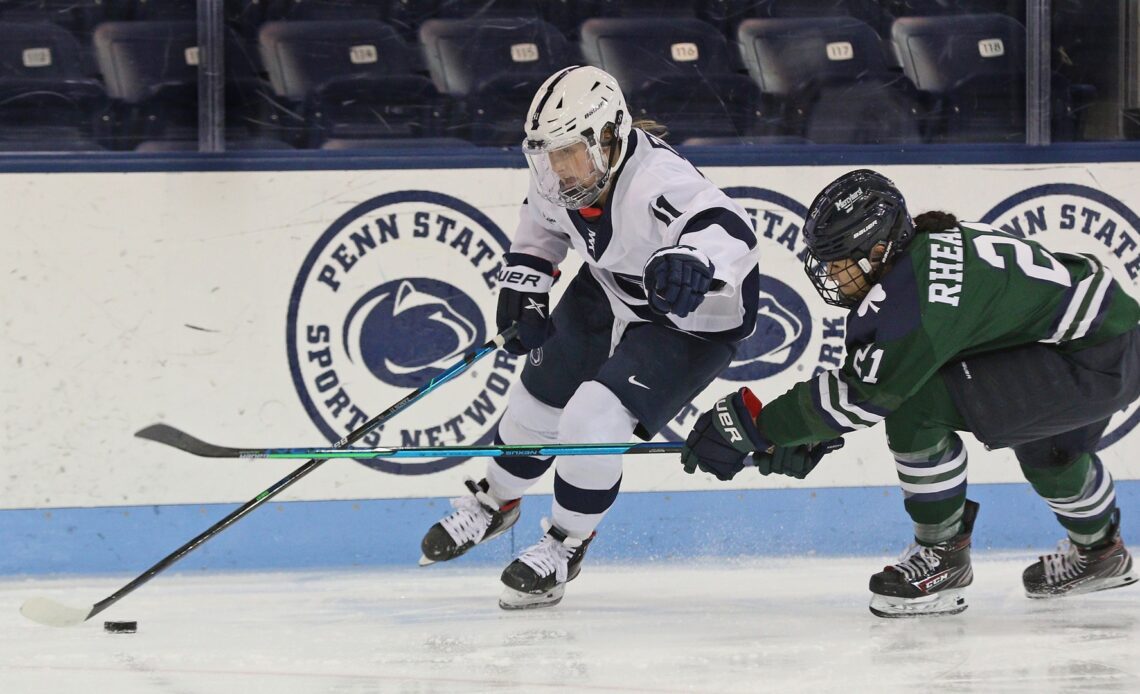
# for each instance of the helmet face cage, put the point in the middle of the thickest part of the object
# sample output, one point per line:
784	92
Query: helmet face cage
841	282
570	172
564	131
852	216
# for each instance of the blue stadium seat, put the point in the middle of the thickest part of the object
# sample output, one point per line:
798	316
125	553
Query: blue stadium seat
481	9
1086	86
565	15
407	16
971	71
650	8
568	15
733	12
676	71
245	17
44	92
151	71
492	68
77	16
826	79
928	8
154	10
325	10
351	79
729	13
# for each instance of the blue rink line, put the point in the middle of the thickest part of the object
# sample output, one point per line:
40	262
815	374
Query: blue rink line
645	526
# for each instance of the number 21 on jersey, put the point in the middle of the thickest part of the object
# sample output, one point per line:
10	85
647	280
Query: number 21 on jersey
866	363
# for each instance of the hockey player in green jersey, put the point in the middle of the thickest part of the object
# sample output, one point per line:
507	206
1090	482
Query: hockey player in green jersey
953	327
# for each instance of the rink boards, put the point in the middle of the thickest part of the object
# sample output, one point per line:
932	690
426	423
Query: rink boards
283	308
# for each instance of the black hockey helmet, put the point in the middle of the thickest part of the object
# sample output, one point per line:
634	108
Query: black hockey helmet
853	214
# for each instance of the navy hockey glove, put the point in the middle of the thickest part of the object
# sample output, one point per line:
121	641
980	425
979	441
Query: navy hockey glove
795	461
724	436
676	279
524	298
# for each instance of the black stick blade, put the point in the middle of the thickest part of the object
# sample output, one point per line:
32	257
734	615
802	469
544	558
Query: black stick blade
168	435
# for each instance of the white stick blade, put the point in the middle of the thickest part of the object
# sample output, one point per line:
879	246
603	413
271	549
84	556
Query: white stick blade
53	614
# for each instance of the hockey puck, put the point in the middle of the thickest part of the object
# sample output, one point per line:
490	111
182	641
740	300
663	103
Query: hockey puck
120	627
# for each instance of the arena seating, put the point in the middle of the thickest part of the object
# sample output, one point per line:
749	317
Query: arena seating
677	71
970	70
301	72
491	68
348	78
45	94
826	79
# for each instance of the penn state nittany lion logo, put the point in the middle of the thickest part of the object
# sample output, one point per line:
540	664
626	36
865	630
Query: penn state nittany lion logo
1075	218
796	334
783	329
393	293
446	322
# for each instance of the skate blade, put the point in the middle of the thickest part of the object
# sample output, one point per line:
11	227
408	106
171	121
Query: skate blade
1090	587
511	599
424	561
941	604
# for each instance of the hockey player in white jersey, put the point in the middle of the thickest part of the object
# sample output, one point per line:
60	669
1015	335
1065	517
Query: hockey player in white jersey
668	287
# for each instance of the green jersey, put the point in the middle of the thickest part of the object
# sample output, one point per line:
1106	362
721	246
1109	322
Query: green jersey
950	295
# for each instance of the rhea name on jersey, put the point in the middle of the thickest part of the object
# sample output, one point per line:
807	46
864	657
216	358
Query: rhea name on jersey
945	276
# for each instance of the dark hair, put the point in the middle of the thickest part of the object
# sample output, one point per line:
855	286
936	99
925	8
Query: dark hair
934	221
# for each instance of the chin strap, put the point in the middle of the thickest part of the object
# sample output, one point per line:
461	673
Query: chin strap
872	273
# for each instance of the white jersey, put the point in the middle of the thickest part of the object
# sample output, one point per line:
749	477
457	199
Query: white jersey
657	199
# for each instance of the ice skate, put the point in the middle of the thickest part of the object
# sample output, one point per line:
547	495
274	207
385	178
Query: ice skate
477	518
927	581
1073	570
539	576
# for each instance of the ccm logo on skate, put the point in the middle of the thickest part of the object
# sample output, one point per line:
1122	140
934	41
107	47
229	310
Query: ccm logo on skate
929	584
393	293
1075	218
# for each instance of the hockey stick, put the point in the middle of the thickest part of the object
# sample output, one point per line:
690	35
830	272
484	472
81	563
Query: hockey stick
164	433
51	613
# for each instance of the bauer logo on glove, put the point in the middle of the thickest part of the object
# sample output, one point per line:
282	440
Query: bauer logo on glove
724	437
524	298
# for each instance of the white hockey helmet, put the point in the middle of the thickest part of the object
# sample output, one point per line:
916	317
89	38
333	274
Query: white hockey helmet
564	124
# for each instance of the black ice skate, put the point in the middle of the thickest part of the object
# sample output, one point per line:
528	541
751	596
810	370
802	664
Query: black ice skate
476	518
1073	570
928	580
539	576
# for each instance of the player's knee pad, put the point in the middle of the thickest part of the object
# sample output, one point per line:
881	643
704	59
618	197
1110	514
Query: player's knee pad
527	419
593	415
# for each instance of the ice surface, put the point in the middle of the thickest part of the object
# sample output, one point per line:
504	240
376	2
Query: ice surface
783	625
